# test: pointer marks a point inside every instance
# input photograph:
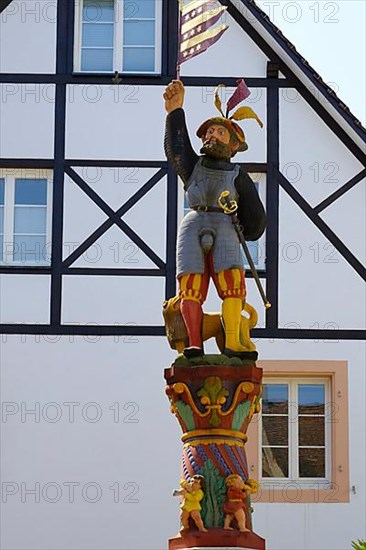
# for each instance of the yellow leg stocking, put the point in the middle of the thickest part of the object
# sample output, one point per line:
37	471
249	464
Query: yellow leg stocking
231	315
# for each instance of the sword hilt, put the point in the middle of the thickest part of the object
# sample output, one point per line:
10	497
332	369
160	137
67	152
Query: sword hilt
229	206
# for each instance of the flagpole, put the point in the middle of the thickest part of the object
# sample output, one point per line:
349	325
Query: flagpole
180	4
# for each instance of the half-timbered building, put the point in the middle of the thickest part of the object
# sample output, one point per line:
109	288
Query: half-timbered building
89	210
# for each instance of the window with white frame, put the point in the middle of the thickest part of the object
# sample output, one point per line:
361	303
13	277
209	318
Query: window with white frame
295	431
25	217
256	248
118	35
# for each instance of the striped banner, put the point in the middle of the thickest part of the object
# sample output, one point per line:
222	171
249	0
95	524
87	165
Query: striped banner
197	32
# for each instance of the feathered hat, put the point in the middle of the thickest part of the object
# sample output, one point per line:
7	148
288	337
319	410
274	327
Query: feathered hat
241	93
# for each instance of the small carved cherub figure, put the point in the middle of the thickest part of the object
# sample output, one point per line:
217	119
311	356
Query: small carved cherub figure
192	494
235	506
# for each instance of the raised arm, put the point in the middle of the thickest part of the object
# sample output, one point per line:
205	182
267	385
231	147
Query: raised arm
177	144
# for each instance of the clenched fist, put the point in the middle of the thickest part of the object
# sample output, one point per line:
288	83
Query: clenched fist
174	95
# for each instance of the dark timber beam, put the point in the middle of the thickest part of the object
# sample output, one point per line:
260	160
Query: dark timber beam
234	11
171	232
103	79
155	330
272	206
58	172
115	217
4	4
296	58
339	192
322	226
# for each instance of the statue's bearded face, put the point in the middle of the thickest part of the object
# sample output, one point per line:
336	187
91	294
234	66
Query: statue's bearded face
218	143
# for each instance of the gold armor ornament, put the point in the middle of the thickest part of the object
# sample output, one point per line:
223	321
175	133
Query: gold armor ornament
212	326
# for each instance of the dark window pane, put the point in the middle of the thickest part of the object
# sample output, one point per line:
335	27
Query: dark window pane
98	10
2	190
97	60
275	398
98	35
274	462
312	462
1	219
139	59
311	399
30	191
274	430
311	430
139	33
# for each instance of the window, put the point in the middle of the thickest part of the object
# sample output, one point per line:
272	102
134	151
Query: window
295	430
2	196
298	445
257	248
118	35
25	221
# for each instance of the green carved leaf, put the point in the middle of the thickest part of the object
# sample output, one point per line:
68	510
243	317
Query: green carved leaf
211	388
215	421
186	414
215	496
240	414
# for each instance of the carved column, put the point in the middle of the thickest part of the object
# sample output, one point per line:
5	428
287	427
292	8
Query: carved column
214	405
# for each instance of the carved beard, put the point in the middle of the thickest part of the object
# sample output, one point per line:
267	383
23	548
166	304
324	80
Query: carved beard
216	149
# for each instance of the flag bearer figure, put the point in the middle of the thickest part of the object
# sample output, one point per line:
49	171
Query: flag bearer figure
208	245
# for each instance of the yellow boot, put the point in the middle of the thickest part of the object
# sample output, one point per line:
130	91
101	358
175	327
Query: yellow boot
231	316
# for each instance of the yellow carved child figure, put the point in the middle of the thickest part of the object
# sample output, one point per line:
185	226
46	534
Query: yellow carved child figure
192	495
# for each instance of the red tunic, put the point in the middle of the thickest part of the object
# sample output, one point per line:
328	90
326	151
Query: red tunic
235	500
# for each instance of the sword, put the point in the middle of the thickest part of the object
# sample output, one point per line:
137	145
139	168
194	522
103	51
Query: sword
230	208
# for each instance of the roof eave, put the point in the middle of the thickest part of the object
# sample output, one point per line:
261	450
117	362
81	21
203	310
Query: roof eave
311	74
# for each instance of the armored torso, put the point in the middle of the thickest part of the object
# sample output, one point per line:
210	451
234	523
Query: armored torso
203	189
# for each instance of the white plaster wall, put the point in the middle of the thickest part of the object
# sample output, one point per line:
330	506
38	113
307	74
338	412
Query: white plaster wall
114	116
24	298
103	112
141	448
78	227
114	248
235	54
28	37
350	208
317	287
312	157
97	373
117	300
322	526
27	120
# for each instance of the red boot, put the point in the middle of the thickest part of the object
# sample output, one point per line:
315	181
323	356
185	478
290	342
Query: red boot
193	316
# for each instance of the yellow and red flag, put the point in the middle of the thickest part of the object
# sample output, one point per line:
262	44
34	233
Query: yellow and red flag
197	30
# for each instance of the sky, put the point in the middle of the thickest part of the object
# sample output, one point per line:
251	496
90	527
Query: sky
332	38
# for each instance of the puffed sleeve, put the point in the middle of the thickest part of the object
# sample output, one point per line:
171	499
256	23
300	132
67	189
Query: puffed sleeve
251	212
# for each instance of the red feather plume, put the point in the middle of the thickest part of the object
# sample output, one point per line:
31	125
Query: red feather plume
242	92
